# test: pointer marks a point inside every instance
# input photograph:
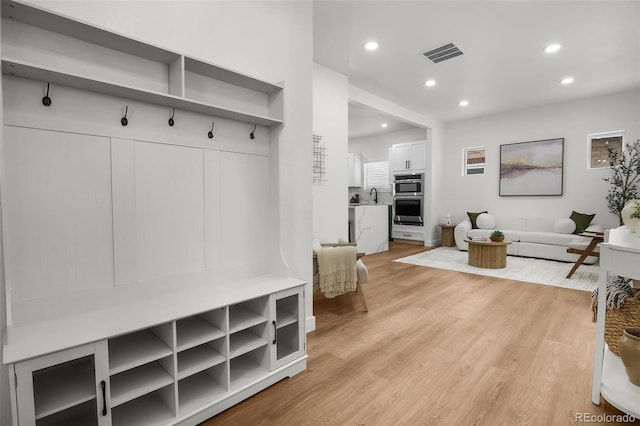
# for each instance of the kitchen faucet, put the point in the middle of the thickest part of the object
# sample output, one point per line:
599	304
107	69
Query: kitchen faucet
375	198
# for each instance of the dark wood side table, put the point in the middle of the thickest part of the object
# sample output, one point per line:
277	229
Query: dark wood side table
596	238
447	235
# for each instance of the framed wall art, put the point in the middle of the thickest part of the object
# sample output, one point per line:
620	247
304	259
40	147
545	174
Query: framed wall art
532	168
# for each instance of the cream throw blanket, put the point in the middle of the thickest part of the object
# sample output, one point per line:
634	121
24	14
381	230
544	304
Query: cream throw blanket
337	268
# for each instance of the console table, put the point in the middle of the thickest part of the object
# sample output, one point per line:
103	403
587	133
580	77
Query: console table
619	255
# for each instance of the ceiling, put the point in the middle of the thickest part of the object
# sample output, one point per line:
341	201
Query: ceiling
503	66
365	121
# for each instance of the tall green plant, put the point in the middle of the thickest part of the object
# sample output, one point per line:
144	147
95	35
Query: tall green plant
625	175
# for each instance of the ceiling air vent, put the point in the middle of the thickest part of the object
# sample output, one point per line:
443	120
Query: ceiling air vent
443	53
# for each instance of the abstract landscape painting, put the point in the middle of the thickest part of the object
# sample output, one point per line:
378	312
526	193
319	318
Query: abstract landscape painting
531	168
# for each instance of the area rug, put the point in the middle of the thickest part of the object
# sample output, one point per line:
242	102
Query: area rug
539	271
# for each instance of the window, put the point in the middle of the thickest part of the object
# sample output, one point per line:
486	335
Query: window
473	161
376	175
599	146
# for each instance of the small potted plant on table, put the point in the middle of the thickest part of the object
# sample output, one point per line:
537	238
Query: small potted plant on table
497	236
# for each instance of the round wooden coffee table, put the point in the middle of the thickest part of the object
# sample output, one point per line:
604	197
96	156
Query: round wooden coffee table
487	254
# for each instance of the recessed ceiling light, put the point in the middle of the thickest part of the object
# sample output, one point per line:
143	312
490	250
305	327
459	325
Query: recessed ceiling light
567	80
552	48
371	45
430	83
463	102
384	125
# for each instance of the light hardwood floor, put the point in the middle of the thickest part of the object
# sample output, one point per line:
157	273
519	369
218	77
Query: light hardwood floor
437	348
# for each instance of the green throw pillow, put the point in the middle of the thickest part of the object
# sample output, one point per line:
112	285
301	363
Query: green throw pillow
582	221
473	217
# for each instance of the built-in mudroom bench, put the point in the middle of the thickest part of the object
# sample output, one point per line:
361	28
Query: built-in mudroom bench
141	229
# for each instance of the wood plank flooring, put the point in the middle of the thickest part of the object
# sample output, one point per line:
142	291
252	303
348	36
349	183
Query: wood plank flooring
437	348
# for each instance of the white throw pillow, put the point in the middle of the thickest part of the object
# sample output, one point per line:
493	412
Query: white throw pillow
486	221
564	226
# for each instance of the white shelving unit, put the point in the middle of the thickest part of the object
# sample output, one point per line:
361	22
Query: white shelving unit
203	342
160	77
619	255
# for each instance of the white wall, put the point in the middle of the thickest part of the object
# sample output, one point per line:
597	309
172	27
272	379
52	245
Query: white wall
269	40
376	147
330	120
584	190
5	405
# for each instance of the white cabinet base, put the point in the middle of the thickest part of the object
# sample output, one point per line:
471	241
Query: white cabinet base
370	227
407	232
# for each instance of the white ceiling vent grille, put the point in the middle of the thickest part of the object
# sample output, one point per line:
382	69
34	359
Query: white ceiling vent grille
443	53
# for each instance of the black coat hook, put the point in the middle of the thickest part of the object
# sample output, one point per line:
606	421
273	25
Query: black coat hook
171	122
210	134
252	135
124	120
46	101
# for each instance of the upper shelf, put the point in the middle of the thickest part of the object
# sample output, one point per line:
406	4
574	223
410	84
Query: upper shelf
92	58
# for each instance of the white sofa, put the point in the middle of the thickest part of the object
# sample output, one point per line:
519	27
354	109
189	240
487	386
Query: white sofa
531	237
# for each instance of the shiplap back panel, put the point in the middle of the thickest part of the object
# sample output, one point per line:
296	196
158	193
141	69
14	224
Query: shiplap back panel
212	211
244	208
164	232
58	210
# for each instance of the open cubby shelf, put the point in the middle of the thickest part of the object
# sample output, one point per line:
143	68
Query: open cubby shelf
149	410
197	359
135	349
200	389
139	381
241	318
194	331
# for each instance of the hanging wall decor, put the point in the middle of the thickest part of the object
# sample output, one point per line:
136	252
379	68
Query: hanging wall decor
319	155
532	168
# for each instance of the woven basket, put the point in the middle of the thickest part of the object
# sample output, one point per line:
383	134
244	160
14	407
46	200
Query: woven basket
616	320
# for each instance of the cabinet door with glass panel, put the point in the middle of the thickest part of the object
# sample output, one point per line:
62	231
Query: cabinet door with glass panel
288	336
67	388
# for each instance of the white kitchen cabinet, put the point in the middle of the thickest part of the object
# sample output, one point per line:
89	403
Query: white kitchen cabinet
370	227
619	256
408	232
355	164
408	157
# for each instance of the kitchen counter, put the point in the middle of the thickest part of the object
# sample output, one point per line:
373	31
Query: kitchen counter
367	204
369	227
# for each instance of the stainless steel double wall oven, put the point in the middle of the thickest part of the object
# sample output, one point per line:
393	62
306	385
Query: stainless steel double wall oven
408	199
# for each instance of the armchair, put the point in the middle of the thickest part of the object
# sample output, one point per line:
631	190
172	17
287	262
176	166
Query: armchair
320	268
